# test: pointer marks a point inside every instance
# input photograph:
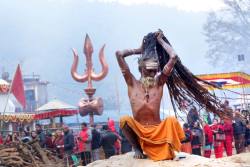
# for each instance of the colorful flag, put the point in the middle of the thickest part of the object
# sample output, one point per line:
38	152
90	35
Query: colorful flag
17	87
227	80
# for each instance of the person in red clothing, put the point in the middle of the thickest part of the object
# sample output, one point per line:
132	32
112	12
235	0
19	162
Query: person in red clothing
219	138
228	130
8	139
1	139
208	140
84	144
111	124
59	141
111	127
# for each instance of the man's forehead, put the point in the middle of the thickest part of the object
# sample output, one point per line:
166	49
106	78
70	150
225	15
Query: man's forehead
149	63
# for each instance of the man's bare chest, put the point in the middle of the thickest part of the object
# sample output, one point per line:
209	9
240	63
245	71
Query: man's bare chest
140	96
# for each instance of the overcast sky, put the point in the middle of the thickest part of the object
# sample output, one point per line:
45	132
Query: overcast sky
40	34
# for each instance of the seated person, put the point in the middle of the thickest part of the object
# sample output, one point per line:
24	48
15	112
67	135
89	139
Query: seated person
145	131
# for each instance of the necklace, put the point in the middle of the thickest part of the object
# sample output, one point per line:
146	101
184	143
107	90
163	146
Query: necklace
146	83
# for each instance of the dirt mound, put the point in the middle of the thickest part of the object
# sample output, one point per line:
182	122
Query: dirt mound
127	160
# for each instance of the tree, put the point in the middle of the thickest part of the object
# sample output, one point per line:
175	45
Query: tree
228	34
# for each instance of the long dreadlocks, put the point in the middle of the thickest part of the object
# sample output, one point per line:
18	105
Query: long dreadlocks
182	84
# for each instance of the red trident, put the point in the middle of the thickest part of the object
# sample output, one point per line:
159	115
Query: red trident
91	105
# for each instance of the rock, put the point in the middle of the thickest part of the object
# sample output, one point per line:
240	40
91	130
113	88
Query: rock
127	160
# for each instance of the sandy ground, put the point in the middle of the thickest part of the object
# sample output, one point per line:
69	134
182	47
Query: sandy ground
127	160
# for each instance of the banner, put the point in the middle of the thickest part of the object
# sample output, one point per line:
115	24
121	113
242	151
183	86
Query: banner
227	80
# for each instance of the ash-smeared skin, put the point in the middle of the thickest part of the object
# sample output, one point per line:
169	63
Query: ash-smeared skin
145	110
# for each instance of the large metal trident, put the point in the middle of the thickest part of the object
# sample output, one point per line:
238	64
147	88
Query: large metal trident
89	106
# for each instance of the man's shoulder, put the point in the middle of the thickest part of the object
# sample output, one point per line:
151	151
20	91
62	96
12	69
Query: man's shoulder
135	84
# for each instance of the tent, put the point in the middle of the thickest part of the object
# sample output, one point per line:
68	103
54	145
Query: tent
55	108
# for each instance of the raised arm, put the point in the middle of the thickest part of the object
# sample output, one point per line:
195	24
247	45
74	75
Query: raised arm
171	62
120	55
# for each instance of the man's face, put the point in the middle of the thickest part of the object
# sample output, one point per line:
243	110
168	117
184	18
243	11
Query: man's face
38	128
33	134
59	133
149	68
65	129
149	72
83	127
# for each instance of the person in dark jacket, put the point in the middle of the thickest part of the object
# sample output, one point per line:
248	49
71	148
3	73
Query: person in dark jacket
196	142
239	129
186	143
125	145
108	140
68	145
41	135
247	134
95	143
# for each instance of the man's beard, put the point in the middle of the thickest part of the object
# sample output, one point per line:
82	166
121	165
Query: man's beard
147	82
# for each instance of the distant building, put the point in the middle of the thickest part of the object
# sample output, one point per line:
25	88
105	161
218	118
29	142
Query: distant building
35	92
12	115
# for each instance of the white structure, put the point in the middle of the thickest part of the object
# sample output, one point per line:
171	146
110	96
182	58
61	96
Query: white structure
6	103
10	107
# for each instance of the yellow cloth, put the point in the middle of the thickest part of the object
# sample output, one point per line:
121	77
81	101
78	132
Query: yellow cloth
157	141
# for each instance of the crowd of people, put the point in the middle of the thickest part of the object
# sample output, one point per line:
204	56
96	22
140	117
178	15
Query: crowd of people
203	136
83	147
76	148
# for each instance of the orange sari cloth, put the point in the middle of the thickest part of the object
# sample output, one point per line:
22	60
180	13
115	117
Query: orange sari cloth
158	141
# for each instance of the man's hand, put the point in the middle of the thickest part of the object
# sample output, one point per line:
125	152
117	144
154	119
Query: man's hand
128	52
160	35
79	138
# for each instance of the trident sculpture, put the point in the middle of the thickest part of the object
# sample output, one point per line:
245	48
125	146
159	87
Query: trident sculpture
90	106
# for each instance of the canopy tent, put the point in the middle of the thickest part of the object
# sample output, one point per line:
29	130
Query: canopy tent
55	108
227	80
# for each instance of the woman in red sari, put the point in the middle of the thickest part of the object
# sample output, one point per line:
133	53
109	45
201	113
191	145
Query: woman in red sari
208	140
219	138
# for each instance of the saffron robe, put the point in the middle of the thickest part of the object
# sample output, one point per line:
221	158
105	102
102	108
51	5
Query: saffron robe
157	141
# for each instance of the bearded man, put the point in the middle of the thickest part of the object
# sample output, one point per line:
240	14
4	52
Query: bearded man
145	131
159	64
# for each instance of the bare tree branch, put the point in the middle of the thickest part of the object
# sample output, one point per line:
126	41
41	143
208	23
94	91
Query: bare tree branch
228	33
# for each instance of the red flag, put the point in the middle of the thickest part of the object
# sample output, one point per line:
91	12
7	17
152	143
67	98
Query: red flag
17	87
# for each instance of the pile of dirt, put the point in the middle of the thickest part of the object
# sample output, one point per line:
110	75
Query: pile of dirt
127	160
